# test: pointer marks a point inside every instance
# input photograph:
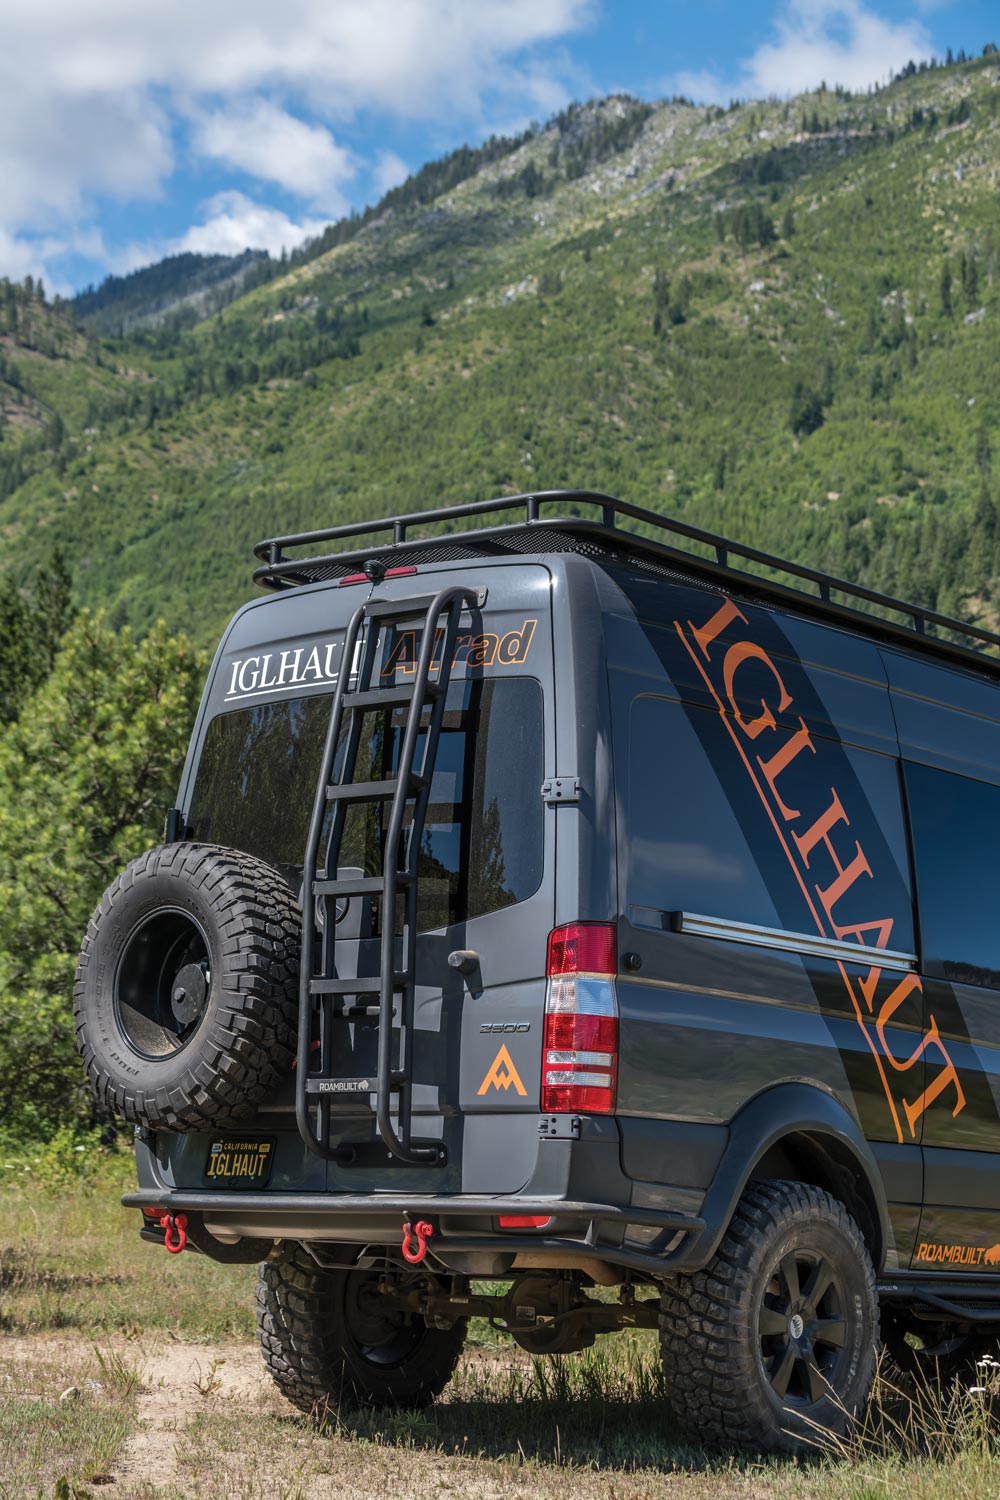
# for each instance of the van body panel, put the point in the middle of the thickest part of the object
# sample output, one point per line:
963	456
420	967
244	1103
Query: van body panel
712	1023
945	717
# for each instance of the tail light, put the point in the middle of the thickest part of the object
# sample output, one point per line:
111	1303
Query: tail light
580	1040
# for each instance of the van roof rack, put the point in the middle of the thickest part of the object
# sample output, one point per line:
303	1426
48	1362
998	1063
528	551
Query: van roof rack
690	547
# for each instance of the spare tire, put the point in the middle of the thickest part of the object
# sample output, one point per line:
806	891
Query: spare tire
186	993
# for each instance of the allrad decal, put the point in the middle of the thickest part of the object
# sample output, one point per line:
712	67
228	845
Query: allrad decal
271	672
831	844
485	650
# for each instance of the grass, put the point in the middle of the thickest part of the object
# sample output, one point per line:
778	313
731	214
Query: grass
169	1398
71	1260
63	1417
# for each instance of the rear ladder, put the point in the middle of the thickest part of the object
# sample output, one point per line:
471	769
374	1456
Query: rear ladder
336	999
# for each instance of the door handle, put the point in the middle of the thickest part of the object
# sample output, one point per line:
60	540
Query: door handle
465	960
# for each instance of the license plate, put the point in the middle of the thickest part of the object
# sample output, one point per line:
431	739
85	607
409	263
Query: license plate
240	1163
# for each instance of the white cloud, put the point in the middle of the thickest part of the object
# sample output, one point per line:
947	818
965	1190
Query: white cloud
234	222
389	171
23	257
839	41
93	96
816	41
701	85
271	144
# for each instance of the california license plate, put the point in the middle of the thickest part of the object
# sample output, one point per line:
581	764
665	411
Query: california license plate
240	1163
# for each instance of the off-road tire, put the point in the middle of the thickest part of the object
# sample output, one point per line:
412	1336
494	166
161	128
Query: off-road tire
243	1044
720	1338
312	1352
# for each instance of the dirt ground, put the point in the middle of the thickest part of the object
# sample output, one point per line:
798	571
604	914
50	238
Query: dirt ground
207	1423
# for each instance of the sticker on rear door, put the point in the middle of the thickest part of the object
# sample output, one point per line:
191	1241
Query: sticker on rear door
503	1075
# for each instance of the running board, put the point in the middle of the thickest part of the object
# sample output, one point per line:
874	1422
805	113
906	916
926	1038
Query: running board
965	1299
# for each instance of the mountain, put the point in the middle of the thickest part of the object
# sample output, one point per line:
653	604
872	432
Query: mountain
779	320
183	289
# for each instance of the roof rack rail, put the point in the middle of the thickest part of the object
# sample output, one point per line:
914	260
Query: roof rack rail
279	571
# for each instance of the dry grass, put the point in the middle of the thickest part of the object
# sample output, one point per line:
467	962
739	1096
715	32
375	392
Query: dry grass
172	1400
65	1413
71	1260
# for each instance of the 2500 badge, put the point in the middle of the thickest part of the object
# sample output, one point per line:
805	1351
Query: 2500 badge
242	1163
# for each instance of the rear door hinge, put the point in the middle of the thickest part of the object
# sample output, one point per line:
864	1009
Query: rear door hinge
561	789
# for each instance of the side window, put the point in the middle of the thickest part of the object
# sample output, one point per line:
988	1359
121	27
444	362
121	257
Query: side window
687	848
955	823
822	846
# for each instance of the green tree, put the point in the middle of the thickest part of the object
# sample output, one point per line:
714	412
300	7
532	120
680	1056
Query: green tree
946	305
85	776
970	278
806	414
32	623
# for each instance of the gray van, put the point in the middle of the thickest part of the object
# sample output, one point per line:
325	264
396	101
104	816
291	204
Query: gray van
550	902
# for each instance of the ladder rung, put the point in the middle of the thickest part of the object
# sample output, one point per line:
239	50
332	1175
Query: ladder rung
388	697
370	791
360	885
370	985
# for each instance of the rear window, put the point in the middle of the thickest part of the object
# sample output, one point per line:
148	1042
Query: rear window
481	848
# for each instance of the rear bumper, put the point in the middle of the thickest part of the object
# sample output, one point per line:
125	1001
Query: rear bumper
463	1225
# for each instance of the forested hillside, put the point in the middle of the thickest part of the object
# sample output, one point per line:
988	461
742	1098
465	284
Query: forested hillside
181	290
780	320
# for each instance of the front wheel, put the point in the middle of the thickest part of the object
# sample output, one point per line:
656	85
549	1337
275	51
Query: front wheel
774	1343
330	1339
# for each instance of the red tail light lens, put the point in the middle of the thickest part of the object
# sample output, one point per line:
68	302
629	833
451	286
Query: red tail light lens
580	1037
583	948
524	1221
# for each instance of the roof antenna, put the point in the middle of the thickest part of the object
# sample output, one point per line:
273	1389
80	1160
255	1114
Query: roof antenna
374	569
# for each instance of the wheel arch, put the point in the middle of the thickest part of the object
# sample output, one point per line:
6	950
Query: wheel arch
798	1131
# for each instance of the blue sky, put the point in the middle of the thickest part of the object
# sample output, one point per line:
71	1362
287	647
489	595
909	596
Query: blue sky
133	129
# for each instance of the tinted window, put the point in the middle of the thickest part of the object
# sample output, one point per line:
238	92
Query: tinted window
956	838
687	850
481	848
702	840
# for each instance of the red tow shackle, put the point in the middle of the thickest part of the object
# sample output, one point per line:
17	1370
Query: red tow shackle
415	1237
170	1223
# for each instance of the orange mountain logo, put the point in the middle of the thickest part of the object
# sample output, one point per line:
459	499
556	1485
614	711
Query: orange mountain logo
503	1075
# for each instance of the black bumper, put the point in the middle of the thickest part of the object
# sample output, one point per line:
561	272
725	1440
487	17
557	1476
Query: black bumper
590	1229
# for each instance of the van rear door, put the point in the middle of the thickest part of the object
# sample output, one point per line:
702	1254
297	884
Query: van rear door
485	867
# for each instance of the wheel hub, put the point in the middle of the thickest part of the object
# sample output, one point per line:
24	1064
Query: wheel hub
802	1329
190	993
163	984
